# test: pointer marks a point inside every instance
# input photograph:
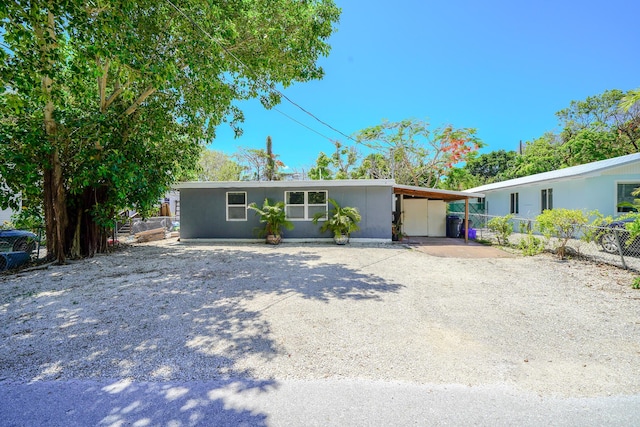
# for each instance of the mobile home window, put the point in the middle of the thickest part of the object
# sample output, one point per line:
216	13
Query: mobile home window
304	205
624	195
546	197
237	206
515	206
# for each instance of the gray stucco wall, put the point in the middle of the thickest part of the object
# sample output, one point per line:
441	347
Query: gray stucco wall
203	212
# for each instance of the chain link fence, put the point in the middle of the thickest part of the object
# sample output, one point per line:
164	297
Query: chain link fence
604	244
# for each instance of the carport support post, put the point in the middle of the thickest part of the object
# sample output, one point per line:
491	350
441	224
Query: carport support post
466	220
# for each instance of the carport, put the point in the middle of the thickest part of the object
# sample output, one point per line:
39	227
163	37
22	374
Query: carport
425	208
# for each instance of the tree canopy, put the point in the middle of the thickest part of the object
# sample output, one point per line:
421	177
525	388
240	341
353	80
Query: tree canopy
105	104
597	128
416	154
217	166
336	166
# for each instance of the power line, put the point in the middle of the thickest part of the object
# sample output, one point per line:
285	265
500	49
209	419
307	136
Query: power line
302	124
268	86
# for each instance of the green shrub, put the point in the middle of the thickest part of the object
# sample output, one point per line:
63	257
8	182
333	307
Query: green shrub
596	228
636	283
563	224
530	245
634	229
502	227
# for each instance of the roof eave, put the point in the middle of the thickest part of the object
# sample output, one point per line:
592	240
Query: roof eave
434	193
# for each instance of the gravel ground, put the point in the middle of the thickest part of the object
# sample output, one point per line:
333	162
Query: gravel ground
167	311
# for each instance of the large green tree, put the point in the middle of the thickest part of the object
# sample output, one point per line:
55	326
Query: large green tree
416	154
491	167
609	125
338	166
630	99
104	104
540	155
217	166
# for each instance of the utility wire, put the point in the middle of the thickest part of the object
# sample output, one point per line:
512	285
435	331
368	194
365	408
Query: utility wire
302	124
268	86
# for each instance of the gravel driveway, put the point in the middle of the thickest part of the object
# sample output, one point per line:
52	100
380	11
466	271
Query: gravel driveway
175	312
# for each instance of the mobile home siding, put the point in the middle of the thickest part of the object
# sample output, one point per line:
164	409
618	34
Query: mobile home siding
588	193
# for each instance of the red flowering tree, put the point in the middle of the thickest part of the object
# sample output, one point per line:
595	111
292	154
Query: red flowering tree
418	155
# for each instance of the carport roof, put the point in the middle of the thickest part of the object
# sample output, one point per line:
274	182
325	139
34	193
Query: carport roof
434	193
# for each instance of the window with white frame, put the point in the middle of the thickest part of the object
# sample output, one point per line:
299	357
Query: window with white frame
514	205
546	199
625	196
304	205
236	206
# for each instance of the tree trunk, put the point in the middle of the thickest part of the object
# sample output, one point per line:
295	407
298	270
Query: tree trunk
271	164
54	192
87	236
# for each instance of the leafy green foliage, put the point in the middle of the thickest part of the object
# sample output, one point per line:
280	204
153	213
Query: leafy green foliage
502	227
562	224
540	155
634	229
416	154
604	113
322	169
597	128
373	166
259	165
459	179
491	167
529	245
28	218
630	99
337	165
103	108
342	221
217	166
273	215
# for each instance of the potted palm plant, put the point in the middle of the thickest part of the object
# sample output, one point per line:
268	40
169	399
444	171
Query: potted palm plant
342	221
274	218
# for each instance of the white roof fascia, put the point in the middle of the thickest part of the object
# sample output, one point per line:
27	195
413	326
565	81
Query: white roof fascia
572	172
287	184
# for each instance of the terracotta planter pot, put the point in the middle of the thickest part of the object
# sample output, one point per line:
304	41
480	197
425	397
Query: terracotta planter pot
273	239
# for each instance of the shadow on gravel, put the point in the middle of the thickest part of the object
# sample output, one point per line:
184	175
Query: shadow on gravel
191	323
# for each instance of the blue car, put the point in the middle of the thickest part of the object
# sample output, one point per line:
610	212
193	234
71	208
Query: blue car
609	242
18	240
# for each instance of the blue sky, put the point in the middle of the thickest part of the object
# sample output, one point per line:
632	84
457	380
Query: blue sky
502	67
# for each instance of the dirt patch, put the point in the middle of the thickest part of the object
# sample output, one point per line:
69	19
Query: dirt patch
455	248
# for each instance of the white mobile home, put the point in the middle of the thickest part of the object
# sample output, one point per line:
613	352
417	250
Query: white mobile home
601	186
